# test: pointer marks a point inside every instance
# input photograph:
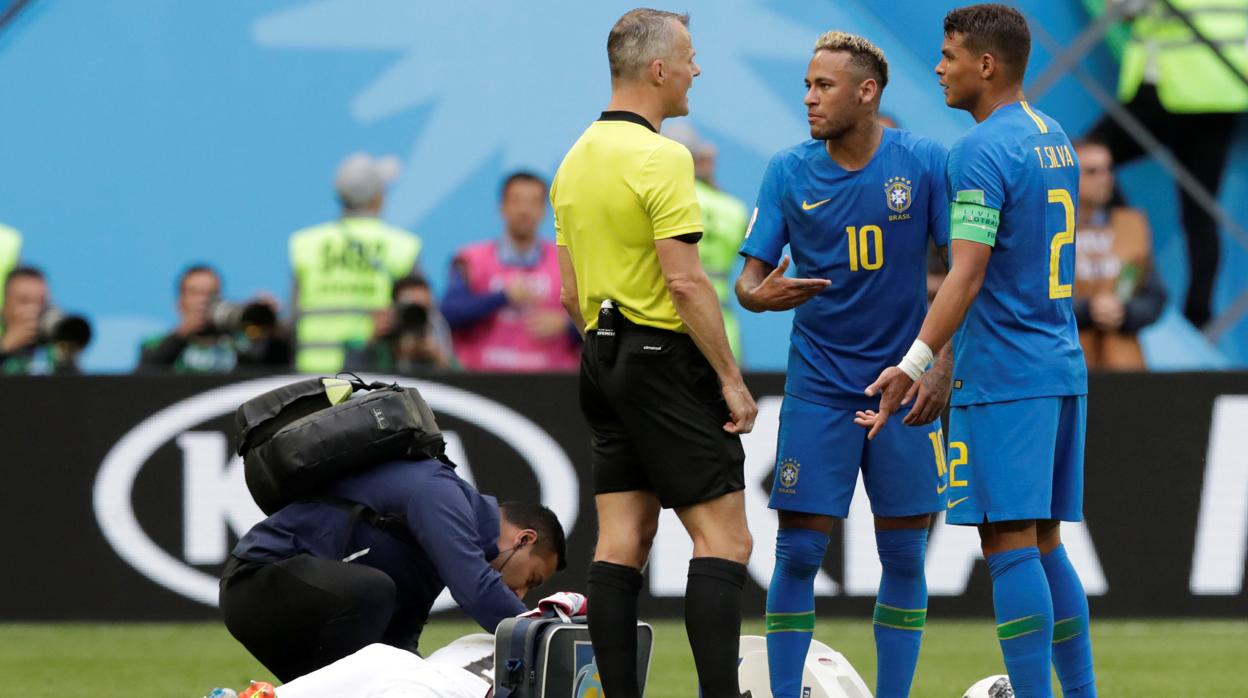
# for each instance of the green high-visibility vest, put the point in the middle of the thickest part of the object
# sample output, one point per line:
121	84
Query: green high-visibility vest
1190	79
344	270
723	228
10	248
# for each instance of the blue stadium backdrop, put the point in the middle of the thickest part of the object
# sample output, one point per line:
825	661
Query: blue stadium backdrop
142	136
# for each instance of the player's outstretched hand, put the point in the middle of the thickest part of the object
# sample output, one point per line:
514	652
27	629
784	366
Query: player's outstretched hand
934	388
895	389
779	292
741	409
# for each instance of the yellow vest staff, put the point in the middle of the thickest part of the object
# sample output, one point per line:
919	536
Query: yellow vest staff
1190	79
723	228
10	249
344	270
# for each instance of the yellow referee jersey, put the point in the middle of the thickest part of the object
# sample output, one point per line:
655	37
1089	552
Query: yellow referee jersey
621	187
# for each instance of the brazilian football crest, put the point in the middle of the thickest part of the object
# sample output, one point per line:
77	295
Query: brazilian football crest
789	470
897	194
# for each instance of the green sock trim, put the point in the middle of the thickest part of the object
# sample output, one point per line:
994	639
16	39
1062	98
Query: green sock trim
791	622
1068	628
900	618
1020	627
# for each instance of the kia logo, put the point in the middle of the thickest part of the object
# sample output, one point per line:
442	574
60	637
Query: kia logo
114	483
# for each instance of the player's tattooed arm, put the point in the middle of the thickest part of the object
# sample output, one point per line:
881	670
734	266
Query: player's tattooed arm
956	294
763	287
934	389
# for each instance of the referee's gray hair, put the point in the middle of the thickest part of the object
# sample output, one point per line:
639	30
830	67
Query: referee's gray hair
639	37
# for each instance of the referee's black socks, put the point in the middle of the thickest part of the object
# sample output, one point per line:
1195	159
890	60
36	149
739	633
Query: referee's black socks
612	593
713	621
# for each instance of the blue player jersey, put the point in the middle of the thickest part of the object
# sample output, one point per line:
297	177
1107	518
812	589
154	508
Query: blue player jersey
867	231
1019	338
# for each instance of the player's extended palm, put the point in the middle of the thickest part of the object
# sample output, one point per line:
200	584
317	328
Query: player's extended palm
779	292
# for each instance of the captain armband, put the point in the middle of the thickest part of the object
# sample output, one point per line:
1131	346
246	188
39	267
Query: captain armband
970	219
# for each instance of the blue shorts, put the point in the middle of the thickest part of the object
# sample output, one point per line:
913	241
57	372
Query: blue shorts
1017	461
821	450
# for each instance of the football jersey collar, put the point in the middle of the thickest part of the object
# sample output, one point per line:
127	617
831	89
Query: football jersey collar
629	116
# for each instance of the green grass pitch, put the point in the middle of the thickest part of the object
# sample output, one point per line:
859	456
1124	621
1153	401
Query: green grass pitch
1135	659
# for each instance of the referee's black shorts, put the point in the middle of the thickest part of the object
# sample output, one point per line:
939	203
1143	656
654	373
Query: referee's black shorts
656	417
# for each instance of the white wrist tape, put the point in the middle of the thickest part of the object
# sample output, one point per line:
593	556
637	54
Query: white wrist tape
916	361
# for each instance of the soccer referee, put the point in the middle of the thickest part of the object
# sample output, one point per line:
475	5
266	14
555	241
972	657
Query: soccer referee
660	390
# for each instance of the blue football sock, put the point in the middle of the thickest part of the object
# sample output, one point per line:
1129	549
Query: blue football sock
791	607
1020	594
900	610
1072	646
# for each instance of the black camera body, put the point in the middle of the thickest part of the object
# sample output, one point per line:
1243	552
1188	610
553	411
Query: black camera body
233	318
410	318
58	327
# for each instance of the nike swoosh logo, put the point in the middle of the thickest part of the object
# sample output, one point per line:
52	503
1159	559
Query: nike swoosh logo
911	619
817	204
956	502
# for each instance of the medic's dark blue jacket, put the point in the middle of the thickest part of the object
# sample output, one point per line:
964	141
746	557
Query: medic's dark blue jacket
454	529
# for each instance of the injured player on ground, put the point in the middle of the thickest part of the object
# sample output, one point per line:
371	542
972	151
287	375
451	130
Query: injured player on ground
462	669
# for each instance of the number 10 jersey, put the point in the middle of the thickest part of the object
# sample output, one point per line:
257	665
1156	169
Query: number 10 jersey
867	231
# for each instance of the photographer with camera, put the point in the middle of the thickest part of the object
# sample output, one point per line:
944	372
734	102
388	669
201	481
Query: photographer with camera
410	338
37	338
214	336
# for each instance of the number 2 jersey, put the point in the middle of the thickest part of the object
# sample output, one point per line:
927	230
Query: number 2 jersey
1014	182
865	230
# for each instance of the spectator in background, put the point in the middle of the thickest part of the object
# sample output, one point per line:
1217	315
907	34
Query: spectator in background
213	336
344	270
10	251
724	220
37	339
1116	291
503	300
1190	100
410	338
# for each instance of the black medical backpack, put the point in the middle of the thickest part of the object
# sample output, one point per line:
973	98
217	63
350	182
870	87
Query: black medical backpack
300	438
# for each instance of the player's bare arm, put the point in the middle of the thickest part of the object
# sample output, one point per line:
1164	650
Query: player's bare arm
698	307
956	294
764	287
935	385
568	295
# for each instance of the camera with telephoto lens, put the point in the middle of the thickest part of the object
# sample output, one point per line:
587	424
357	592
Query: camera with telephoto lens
252	318
410	318
57	327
